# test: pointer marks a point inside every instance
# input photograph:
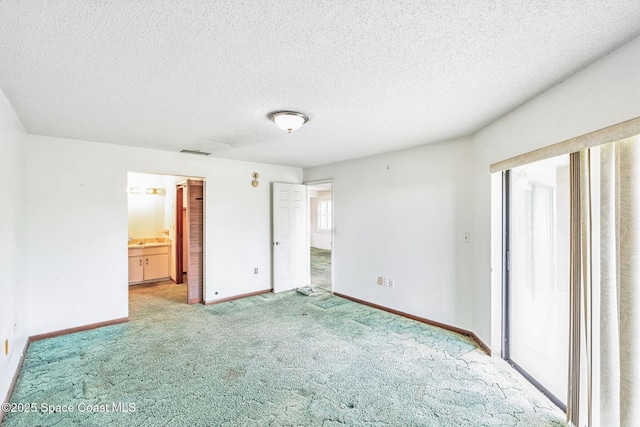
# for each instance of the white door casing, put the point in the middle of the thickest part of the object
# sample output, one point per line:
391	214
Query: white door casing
290	248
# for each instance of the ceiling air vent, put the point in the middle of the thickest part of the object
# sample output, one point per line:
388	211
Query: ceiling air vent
201	153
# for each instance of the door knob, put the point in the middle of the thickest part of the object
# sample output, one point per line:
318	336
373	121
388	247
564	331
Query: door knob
276	243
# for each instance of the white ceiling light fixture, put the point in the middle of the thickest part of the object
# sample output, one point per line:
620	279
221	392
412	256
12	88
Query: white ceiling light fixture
288	120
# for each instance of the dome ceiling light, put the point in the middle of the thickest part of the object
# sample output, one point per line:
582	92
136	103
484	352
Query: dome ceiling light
288	120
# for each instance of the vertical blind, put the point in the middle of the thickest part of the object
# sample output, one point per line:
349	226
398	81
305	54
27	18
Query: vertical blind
610	260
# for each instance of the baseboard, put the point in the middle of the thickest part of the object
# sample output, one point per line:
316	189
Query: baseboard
460	331
250	294
10	376
78	329
481	343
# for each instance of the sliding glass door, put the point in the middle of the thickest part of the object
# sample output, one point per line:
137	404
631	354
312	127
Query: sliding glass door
537	274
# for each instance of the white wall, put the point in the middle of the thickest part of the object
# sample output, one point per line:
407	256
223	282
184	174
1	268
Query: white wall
78	226
604	94
146	212
402	215
13	229
319	239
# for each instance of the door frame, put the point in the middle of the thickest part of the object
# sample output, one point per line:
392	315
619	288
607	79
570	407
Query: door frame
181	180
179	234
198	287
333	214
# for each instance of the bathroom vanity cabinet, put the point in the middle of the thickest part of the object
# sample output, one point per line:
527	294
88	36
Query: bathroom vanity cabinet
148	263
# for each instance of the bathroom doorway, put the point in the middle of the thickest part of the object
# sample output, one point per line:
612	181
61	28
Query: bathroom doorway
157	230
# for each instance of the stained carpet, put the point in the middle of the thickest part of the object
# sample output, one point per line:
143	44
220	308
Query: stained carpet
270	360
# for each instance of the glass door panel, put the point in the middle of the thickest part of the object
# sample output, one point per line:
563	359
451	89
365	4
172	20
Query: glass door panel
538	287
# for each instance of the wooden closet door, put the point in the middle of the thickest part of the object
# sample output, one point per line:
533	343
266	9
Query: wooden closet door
195	241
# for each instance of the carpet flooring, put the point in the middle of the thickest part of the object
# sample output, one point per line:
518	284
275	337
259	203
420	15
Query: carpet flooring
269	360
321	268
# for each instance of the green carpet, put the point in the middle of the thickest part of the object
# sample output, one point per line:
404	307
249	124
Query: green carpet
270	360
321	268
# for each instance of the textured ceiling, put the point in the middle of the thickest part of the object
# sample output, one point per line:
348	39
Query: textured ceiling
372	76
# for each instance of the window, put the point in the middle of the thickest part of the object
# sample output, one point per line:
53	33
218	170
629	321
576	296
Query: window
324	216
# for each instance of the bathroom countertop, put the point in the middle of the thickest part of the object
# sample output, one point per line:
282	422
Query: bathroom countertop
147	245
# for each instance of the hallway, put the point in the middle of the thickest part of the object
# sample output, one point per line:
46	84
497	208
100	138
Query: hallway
321	269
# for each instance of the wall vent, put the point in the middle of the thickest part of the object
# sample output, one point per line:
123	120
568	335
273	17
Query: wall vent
201	153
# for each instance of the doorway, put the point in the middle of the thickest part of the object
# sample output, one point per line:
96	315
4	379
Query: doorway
302	234
320	196
154	224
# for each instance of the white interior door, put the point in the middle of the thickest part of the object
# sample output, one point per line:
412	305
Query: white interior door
290	247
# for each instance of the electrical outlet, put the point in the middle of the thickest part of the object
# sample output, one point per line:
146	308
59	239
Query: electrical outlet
255	270
385	282
391	283
466	237
380	280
